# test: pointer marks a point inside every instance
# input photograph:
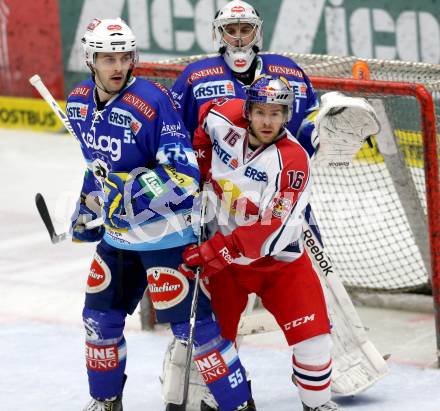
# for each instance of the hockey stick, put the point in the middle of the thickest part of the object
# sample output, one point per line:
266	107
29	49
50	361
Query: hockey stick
36	81
47	220
192	318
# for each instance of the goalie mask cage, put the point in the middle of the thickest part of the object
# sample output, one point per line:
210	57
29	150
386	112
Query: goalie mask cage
379	218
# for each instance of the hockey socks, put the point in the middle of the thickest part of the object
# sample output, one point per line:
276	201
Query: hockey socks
217	361
312	367
106	352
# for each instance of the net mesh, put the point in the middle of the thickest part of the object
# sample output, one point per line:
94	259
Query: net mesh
372	215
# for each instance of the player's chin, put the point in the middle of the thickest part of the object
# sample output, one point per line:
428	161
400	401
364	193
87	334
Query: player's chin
266	137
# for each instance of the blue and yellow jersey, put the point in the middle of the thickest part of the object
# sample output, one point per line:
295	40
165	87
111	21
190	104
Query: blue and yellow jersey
137	131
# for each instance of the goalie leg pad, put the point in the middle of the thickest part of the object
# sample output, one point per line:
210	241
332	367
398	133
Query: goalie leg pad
106	352
173	376
312	366
218	363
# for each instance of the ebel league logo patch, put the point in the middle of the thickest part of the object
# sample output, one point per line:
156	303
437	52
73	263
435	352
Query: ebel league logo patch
167	287
99	275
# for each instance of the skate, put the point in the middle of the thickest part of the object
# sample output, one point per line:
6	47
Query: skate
112	404
208	403
247	406
174	407
328	406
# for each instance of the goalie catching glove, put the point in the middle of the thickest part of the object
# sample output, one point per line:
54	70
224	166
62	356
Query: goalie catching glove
343	124
213	255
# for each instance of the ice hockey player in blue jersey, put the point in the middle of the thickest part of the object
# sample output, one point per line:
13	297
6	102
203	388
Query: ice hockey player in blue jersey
142	177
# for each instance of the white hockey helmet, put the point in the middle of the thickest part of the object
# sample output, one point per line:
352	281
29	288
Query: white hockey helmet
238	58
108	36
267	89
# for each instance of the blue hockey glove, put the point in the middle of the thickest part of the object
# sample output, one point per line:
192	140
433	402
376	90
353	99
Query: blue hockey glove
132	200
80	233
114	210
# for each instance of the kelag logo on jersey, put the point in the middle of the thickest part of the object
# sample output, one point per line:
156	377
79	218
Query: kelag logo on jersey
77	111
125	119
213	89
105	144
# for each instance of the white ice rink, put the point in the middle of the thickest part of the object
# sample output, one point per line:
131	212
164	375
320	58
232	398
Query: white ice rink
41	296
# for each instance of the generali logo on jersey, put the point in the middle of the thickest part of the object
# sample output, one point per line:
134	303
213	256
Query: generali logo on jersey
99	275
101	358
168	287
210	71
80	91
212	366
140	105
274	69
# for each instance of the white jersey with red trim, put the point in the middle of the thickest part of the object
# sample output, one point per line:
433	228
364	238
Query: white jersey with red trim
259	195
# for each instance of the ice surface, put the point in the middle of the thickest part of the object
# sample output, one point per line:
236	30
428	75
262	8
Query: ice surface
41	296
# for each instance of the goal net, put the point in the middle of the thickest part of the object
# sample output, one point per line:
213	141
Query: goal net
378	216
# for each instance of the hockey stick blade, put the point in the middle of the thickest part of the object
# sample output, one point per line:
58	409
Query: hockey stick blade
45	216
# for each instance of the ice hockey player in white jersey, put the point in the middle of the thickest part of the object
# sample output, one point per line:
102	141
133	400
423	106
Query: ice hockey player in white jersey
238	36
260	177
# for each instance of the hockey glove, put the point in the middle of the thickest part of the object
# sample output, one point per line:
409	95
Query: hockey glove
113	207
80	234
213	255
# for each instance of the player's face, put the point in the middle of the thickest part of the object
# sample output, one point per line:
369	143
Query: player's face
111	69
238	34
266	122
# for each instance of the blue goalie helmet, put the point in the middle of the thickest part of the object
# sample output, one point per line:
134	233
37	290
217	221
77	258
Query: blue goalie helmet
267	89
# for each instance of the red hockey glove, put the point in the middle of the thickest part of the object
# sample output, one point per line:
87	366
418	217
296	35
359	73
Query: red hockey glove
214	255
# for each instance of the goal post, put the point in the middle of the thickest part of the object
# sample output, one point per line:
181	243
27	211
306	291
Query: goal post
380	217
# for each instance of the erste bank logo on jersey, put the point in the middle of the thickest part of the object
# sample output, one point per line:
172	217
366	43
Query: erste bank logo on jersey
214	89
299	88
123	118
77	111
